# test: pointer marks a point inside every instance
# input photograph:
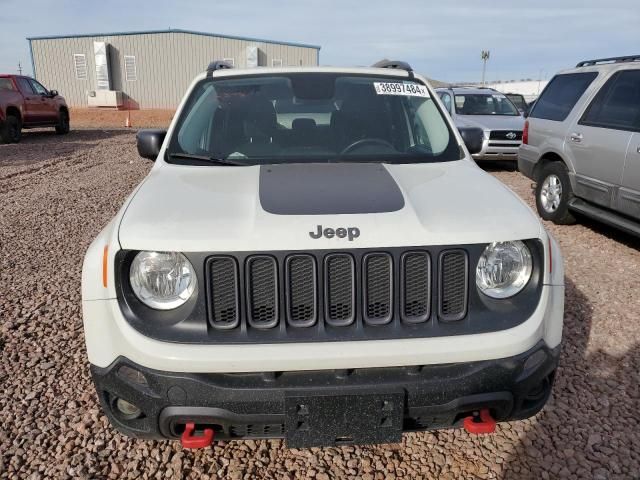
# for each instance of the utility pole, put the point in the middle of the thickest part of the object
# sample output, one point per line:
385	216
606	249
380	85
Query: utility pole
485	56
19	68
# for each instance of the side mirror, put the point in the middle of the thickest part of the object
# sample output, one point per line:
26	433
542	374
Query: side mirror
53	93
472	138
149	142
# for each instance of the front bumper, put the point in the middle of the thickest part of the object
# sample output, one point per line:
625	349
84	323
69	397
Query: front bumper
498	150
253	405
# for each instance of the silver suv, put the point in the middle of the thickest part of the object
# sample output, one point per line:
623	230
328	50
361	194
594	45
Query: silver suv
491	111
582	144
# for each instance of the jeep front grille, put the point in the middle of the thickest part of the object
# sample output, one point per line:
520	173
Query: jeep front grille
336	294
246	297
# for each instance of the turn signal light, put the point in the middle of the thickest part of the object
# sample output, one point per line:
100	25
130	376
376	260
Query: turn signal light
105	256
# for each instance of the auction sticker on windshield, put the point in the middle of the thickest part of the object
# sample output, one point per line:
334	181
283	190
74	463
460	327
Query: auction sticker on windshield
410	89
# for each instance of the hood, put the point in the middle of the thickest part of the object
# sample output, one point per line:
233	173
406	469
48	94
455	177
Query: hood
491	122
289	207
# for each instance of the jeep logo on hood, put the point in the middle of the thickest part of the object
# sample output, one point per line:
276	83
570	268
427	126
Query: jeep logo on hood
340	232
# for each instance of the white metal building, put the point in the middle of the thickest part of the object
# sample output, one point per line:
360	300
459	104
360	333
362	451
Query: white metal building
150	69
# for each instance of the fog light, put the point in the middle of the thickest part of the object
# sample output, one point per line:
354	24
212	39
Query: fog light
132	375
127	409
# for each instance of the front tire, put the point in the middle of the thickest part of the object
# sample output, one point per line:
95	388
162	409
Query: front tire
553	193
63	123
11	131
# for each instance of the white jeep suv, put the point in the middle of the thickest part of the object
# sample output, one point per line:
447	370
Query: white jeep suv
315	256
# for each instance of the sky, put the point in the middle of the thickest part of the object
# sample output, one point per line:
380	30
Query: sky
442	40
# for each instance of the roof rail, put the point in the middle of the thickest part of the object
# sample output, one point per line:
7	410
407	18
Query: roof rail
475	87
217	65
397	64
628	58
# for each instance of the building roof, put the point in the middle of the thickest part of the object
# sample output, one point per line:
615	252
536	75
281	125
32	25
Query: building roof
173	30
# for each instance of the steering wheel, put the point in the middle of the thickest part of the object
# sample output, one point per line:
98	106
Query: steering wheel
365	141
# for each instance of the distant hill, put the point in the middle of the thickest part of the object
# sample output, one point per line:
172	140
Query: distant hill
437	83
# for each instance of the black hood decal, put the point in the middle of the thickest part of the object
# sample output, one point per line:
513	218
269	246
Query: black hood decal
328	189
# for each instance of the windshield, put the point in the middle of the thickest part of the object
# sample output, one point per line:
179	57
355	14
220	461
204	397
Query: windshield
484	104
311	117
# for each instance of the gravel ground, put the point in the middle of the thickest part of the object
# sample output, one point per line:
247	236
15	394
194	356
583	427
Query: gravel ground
56	193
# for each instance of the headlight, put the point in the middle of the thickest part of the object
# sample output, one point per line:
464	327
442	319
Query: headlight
162	280
504	269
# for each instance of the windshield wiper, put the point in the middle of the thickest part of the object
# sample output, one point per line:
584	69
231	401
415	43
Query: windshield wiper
207	159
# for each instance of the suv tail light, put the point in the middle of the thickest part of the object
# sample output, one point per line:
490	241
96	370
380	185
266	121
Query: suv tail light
525	133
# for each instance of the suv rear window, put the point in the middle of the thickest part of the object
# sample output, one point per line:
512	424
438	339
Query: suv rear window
562	93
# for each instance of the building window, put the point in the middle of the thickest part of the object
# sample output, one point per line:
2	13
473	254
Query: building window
276	62
230	61
80	66
130	72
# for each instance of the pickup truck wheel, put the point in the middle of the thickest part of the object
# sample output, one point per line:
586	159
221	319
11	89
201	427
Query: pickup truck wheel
63	123
11	131
553	192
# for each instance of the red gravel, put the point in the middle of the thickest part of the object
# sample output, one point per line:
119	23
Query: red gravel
56	193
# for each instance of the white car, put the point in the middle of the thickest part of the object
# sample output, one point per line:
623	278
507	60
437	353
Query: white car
315	256
490	110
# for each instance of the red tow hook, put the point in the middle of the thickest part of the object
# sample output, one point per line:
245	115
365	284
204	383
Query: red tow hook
188	440
485	423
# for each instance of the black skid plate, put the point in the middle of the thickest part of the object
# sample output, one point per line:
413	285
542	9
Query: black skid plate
337	419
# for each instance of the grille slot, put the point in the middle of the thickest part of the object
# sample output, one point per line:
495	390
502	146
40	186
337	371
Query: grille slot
453	285
301	291
340	289
223	287
378	288
415	302
262	291
256	430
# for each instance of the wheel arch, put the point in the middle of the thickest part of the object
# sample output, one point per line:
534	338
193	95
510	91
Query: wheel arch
546	159
65	109
13	111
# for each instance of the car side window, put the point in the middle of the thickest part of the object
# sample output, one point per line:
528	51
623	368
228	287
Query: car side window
39	89
561	94
25	86
446	100
617	104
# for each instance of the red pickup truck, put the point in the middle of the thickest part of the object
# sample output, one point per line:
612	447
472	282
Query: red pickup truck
25	103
